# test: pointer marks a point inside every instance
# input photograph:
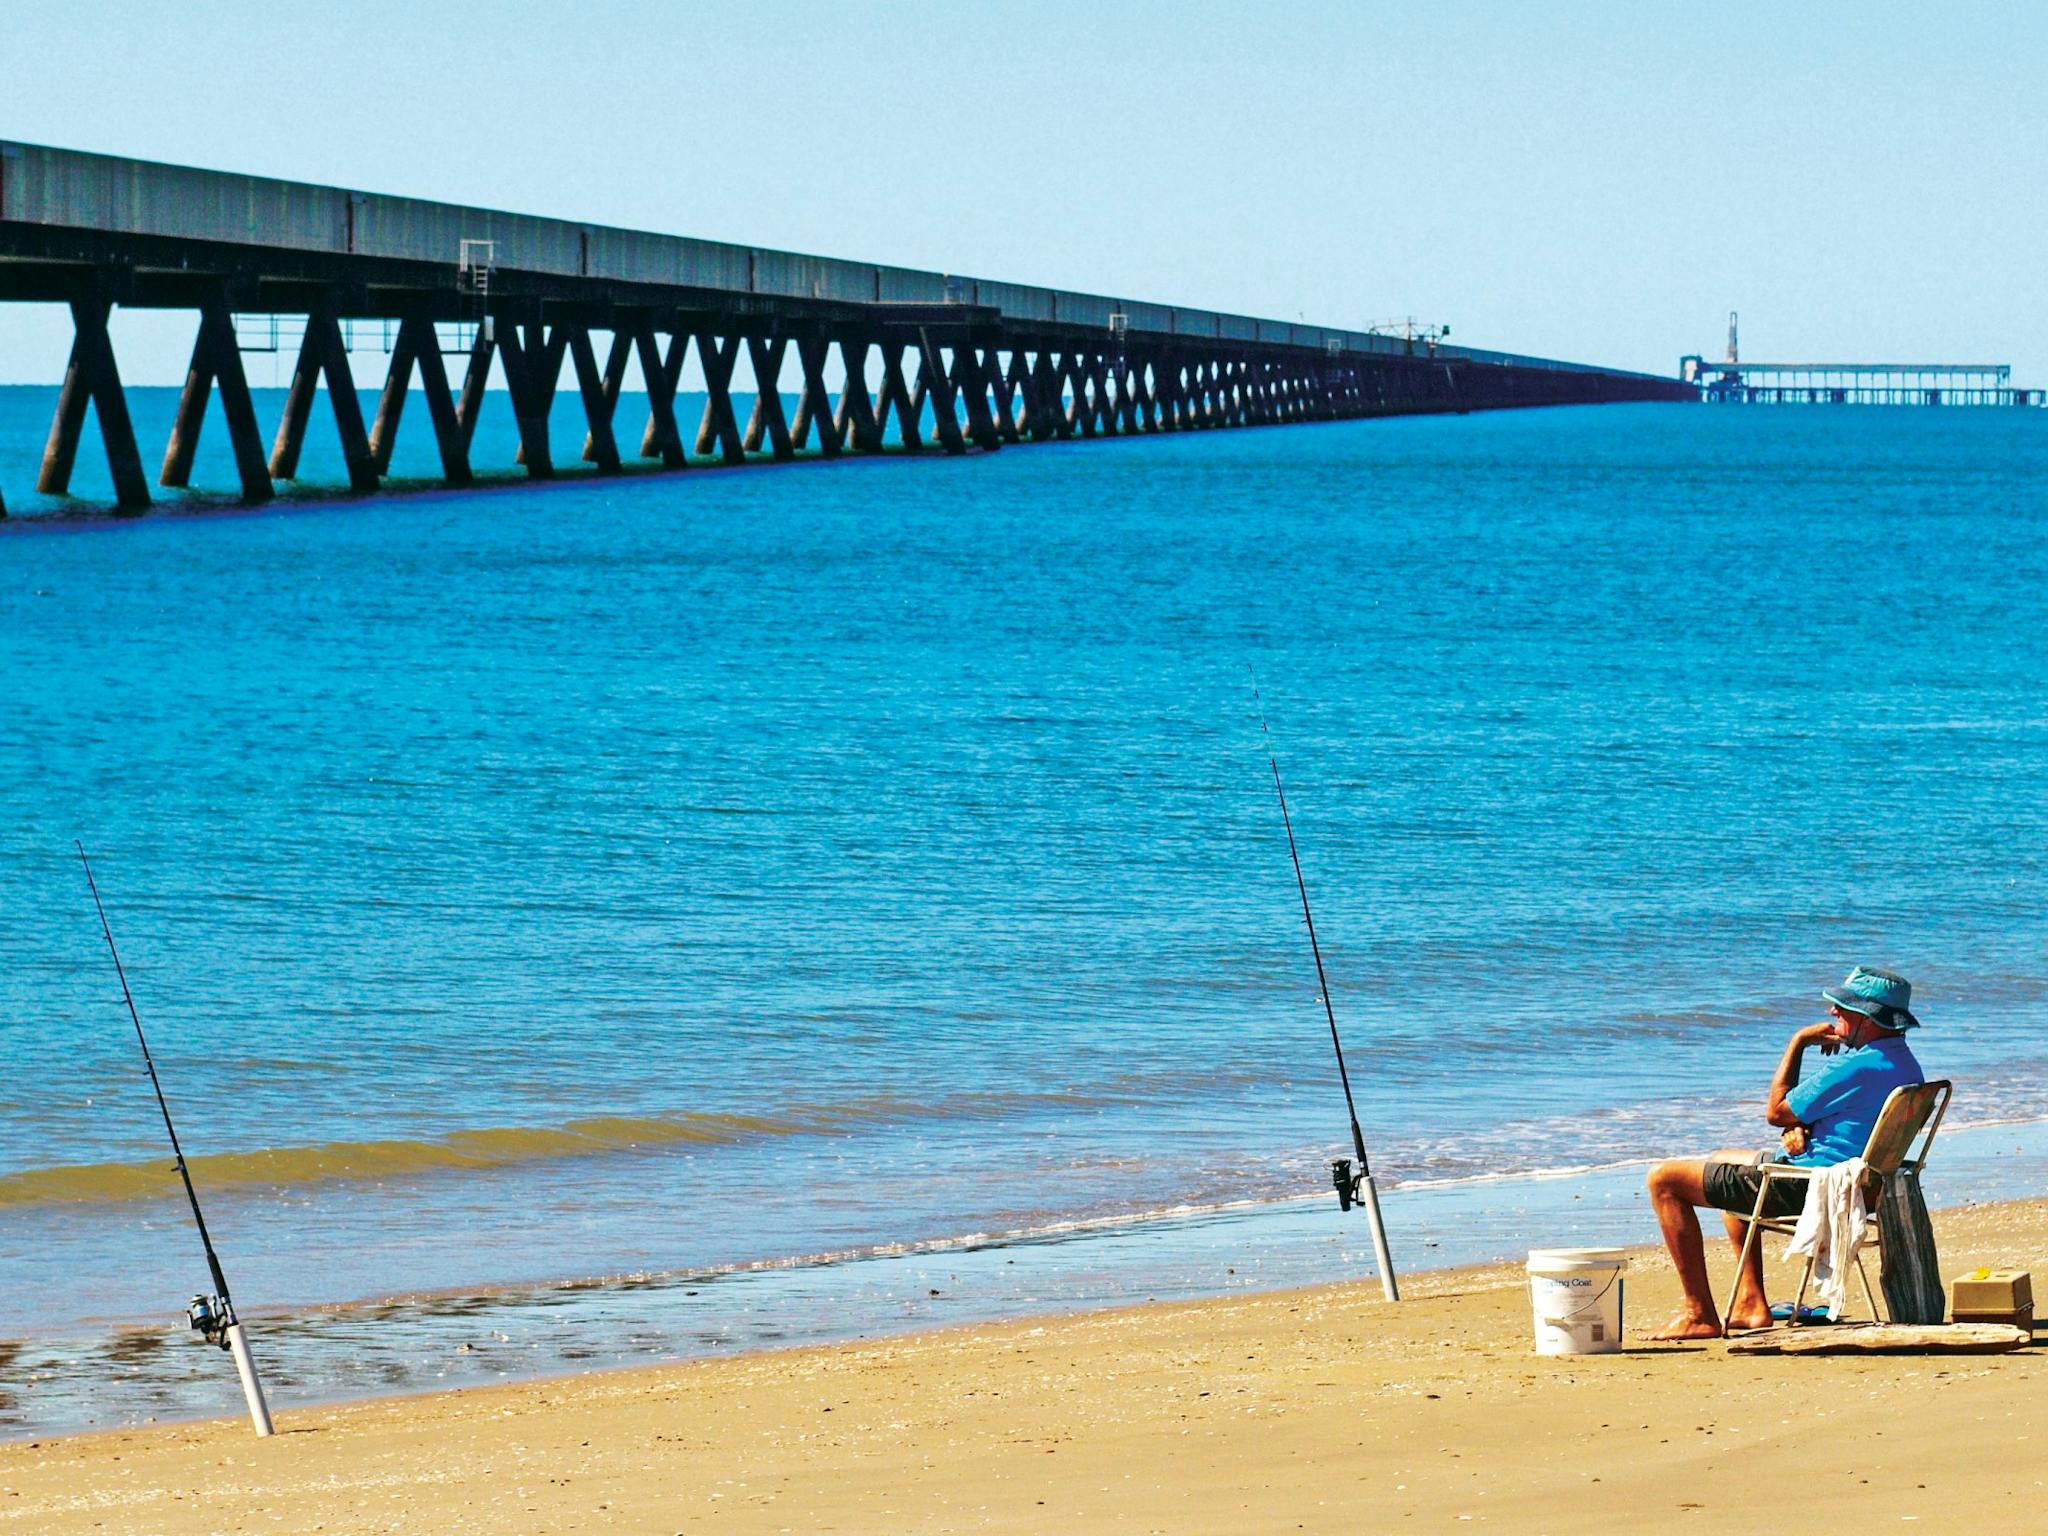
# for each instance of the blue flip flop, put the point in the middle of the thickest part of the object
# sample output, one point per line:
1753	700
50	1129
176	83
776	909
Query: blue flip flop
1781	1312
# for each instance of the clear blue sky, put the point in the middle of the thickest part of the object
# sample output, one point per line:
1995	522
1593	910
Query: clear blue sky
1597	181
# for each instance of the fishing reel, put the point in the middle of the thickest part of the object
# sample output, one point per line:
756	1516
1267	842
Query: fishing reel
1346	1182
211	1317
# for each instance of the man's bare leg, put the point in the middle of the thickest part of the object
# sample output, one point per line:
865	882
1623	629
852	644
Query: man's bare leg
1677	1189
1752	1306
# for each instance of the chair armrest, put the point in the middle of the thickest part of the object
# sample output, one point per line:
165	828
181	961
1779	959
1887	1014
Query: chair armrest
1788	1170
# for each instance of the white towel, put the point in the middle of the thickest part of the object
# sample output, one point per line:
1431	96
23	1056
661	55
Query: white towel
1831	1230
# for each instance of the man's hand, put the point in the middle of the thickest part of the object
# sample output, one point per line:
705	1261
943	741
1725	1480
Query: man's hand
1794	1140
1822	1035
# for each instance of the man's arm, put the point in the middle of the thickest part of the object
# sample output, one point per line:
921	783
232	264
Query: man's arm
1777	1111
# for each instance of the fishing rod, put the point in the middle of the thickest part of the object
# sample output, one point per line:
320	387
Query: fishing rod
211	1316
1352	1188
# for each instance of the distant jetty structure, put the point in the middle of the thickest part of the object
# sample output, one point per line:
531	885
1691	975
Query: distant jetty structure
1734	382
960	363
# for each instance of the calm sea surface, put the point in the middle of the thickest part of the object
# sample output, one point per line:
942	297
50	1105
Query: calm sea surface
681	874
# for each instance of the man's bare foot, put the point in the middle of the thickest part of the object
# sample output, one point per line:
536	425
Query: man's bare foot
1758	1316
1687	1325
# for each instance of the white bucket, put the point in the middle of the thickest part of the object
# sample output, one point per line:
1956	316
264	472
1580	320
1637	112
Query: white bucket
1575	1296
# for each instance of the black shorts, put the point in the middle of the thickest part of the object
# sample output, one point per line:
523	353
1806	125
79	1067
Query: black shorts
1733	1187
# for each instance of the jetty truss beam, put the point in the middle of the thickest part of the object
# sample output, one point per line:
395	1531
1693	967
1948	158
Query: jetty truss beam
954	365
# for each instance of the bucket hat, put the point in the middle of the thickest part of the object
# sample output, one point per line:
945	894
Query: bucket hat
1880	996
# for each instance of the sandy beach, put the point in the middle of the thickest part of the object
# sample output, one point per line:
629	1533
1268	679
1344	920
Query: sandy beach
1318	1410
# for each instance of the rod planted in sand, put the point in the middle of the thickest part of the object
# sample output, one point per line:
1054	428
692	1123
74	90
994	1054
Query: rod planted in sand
1359	1187
213	1316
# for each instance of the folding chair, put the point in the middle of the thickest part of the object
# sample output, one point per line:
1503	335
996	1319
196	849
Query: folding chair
1906	1114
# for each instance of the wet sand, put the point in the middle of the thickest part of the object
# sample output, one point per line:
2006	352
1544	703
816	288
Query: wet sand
1318	1410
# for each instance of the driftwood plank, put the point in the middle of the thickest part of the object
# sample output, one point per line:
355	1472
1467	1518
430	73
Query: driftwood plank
1883	1339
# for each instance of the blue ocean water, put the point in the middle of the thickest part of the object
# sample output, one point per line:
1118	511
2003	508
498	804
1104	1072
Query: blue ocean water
655	875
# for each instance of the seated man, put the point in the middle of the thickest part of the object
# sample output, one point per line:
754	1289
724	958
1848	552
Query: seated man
1826	1121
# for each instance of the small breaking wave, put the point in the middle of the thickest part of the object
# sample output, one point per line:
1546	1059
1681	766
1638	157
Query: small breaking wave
494	1147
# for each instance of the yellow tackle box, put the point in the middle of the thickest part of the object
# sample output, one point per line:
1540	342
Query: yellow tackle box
1994	1296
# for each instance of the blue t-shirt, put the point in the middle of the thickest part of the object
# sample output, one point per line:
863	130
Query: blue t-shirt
1842	1102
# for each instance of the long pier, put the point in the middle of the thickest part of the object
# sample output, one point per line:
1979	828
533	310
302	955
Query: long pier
957	363
1740	383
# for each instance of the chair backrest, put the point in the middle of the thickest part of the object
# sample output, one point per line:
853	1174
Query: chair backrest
1906	1113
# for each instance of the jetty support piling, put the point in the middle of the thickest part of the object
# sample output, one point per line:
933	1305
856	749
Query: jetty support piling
861	417
322	354
91	376
483	351
720	429
935	383
895	395
391	402
600	397
662	372
532	359
217	363
1002	394
451	438
610	382
814	400
767	421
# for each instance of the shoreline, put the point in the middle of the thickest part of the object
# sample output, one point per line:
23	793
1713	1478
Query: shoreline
1320	1406
332	1354
1079	1227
